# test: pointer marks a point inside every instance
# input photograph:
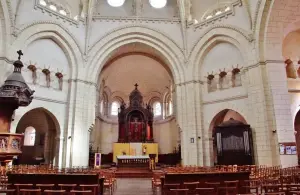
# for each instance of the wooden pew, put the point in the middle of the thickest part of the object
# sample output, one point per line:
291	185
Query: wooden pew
203	177
56	178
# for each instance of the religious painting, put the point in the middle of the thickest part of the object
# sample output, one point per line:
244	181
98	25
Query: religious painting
15	144
3	143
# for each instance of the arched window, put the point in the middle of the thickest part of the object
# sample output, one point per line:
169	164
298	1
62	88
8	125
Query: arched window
29	138
157	109
170	108
114	108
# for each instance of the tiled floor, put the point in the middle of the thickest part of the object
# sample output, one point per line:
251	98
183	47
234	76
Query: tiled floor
133	186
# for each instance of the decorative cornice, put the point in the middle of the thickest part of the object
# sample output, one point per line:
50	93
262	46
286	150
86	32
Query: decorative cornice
64	18
82	81
49	100
136	19
132	26
207	22
189	82
225	100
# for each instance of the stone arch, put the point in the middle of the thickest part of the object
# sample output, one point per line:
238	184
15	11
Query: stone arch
55	32
273	28
122	36
220	117
47	136
202	47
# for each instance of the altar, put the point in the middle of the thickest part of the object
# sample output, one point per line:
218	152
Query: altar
135	138
134	150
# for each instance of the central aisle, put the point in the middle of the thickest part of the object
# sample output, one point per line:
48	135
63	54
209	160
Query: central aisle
131	186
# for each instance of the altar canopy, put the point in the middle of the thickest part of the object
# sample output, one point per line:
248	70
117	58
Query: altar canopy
135	121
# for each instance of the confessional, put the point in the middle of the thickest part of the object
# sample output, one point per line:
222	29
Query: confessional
233	142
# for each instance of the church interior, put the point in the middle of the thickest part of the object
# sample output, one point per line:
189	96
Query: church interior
143	97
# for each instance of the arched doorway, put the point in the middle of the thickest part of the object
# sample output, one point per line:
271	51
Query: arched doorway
234	127
297	132
40	129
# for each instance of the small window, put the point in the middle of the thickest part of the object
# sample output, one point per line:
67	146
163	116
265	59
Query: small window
43	2
157	109
29	138
114	108
63	12
53	7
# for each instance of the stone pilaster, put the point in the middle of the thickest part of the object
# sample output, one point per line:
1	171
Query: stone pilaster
284	130
82	115
260	118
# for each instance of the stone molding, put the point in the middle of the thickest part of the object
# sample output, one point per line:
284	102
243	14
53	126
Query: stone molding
22	28
225	100
49	100
135	19
133	26
247	35
58	15
189	82
83	81
207	22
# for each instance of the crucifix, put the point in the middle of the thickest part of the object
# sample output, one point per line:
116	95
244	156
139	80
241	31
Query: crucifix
20	54
136	86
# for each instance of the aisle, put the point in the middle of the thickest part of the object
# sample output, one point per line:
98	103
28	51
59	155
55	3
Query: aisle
132	186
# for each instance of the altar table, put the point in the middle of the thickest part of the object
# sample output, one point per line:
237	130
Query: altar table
133	161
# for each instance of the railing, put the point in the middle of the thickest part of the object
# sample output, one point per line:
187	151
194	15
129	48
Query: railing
136	162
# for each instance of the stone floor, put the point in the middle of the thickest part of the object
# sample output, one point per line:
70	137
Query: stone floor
133	186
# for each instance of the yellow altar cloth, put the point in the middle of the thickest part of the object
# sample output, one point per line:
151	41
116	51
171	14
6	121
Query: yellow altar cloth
134	149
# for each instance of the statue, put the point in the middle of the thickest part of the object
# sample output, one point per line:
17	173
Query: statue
46	71
290	70
60	76
33	69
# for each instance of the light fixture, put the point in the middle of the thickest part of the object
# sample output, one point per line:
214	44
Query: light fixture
63	12
76	17
196	21
227	9
158	3
218	12
43	3
53	7
208	17
115	3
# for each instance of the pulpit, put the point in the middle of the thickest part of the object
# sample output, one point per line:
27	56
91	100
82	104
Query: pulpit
135	121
